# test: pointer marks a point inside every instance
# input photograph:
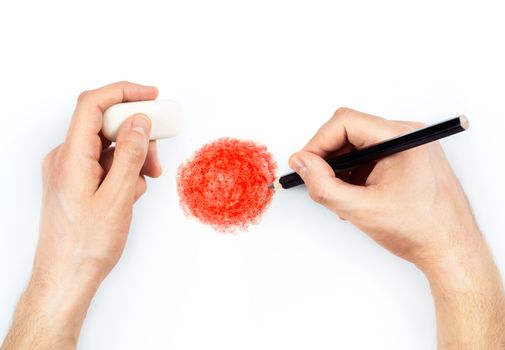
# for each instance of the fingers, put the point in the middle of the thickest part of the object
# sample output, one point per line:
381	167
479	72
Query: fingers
140	188
347	125
414	125
322	184
105	142
132	145
151	167
87	119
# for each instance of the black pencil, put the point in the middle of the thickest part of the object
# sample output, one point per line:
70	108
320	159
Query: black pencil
383	149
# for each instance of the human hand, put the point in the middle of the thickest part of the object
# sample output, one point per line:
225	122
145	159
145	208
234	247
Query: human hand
89	190
412	204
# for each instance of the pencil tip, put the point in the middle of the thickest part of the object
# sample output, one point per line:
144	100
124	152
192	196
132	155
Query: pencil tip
275	185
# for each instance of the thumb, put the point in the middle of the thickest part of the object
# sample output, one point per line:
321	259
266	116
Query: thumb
323	186
129	156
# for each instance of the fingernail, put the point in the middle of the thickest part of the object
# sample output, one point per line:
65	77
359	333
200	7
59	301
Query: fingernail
296	163
141	124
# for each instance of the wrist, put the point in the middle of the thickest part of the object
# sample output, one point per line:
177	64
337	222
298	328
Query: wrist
467	268
59	299
468	296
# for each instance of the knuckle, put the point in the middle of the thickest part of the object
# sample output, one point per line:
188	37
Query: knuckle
318	192
418	125
59	169
97	171
62	166
84	96
402	128
411	124
341	112
62	158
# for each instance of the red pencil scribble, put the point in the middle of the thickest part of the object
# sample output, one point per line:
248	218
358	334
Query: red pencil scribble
225	184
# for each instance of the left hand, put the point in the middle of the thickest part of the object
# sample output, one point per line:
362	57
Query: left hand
89	190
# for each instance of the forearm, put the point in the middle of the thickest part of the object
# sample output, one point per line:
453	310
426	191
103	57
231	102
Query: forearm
469	300
50	313
33	329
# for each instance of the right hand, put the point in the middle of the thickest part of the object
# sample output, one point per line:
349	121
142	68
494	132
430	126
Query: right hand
411	203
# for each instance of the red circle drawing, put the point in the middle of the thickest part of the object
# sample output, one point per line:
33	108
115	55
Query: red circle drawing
225	184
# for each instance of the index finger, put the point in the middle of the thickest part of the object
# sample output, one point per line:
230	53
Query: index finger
87	120
350	126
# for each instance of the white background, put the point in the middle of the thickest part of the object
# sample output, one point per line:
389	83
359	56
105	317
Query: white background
271	71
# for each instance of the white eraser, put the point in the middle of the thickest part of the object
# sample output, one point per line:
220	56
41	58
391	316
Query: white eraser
165	115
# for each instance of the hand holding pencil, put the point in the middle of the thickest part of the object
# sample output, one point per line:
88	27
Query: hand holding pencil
364	156
410	202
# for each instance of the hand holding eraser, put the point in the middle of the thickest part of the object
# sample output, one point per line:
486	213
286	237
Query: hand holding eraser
165	115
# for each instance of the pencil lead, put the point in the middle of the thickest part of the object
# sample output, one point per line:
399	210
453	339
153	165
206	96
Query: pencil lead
271	186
